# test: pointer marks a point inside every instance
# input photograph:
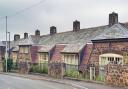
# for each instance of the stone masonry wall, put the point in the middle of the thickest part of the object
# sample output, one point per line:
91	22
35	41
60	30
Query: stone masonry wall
108	47
117	75
55	69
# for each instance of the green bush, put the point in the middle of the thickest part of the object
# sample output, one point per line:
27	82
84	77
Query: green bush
9	64
71	73
100	78
38	69
84	76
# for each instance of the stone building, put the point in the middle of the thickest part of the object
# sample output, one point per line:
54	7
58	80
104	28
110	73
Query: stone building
25	49
88	48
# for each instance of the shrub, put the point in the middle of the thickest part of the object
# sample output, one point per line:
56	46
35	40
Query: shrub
100	78
71	73
9	64
38	69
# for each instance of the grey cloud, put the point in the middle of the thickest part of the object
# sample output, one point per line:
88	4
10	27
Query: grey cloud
60	13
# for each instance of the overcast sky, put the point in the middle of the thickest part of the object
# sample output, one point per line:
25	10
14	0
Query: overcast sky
60	13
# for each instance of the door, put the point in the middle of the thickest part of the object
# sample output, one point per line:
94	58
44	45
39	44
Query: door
92	73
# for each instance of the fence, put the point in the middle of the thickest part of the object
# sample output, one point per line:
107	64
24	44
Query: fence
1	66
88	72
15	67
71	71
39	68
58	70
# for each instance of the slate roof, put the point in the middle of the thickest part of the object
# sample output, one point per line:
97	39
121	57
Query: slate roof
15	49
75	39
32	39
45	48
125	24
72	37
14	43
72	48
116	31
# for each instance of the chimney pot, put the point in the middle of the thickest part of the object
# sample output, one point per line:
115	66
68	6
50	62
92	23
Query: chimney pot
76	25
113	18
53	30
16	37
25	35
37	32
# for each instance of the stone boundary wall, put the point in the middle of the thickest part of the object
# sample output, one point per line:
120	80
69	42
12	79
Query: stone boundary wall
117	75
1	66
56	69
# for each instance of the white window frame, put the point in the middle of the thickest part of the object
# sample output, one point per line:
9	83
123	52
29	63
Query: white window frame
70	59
110	55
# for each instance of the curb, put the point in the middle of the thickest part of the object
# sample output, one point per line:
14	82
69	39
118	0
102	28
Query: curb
89	81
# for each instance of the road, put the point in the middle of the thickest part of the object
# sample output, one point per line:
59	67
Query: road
11	82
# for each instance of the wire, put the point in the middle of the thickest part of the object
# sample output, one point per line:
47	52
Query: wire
23	10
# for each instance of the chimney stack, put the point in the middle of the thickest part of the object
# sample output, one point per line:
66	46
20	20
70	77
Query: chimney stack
53	30
37	32
16	37
113	18
25	35
76	25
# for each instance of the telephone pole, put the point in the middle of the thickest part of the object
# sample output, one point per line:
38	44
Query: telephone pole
6	54
9	46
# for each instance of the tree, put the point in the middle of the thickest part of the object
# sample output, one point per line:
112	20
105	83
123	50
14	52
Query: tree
9	64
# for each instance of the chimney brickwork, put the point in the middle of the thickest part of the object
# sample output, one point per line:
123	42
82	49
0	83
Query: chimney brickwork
37	32
76	25
16	37
25	35
113	18
53	30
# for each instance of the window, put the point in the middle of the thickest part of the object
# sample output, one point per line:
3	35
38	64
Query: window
43	57
118	60
70	59
103	60
24	49
125	58
110	58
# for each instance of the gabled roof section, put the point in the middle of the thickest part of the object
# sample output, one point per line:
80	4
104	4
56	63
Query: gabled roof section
45	48
56	55
125	24
27	41
115	31
32	39
15	49
72	48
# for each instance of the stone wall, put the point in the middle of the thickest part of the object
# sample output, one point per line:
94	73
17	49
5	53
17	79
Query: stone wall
56	69
23	67
117	75
1	66
107	47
